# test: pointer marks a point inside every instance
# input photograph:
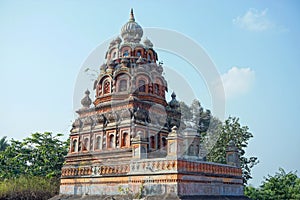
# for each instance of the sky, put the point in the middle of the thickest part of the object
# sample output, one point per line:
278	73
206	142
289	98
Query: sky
254	46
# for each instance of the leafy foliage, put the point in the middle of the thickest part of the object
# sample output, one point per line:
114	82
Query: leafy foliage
215	135
195	115
42	154
232	130
3	143
186	114
280	186
30	169
210	137
196	111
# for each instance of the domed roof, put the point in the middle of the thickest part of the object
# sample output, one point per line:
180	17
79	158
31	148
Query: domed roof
132	31
174	103
86	101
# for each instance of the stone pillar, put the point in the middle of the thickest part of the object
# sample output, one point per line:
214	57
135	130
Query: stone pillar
202	152
175	144
232	155
139	146
191	143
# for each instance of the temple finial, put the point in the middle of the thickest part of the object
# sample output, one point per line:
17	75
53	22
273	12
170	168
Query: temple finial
131	16
173	95
86	101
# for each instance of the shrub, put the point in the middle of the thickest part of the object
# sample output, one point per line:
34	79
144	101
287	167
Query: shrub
29	187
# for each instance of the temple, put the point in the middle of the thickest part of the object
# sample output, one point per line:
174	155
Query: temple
129	142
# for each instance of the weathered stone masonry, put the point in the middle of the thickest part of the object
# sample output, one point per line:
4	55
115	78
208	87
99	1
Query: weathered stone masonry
130	139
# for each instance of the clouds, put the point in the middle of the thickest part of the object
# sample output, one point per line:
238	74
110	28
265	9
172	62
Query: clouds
237	81
254	20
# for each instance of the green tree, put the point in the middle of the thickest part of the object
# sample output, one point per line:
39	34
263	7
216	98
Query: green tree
252	192
13	160
232	130
3	143
280	186
195	115
211	135
205	121
186	113
47	154
196	110
42	154
215	135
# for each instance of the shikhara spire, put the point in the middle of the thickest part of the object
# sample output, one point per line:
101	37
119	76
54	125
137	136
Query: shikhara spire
131	18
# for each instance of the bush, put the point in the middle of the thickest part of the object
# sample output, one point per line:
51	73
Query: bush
29	187
280	186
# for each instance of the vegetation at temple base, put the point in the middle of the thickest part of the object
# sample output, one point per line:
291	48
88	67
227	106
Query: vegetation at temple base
29	187
215	135
32	167
280	186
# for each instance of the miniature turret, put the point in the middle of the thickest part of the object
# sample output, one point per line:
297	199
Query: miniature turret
232	155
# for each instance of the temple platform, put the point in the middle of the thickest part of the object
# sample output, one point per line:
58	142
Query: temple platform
153	179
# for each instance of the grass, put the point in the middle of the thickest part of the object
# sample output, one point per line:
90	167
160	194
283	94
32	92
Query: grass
31	188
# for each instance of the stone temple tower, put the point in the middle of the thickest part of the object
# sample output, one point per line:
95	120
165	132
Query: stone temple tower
127	142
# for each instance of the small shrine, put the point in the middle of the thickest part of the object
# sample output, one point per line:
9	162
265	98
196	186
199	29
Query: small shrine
129	142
